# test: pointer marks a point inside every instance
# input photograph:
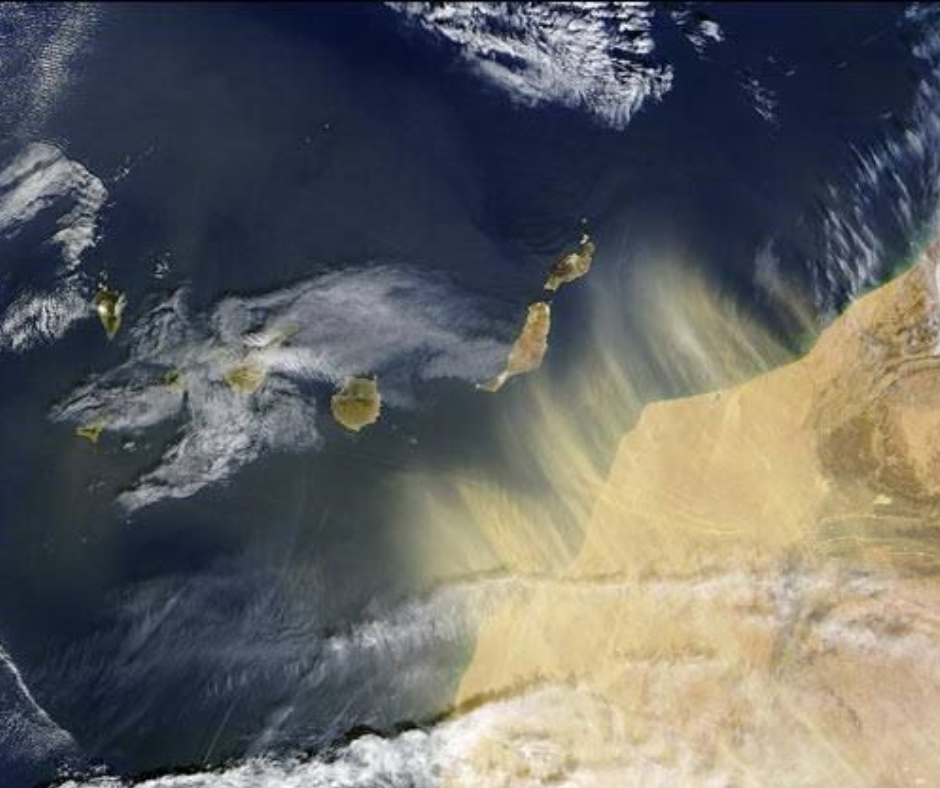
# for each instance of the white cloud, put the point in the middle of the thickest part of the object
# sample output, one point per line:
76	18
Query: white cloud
31	744
699	29
47	39
40	317
41	179
393	322
592	56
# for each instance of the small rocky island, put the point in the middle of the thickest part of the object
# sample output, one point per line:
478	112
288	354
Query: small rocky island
572	266
109	304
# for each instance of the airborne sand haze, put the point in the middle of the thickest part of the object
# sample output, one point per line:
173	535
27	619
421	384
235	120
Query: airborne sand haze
754	591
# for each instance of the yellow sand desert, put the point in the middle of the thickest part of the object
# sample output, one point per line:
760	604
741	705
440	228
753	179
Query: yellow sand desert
752	597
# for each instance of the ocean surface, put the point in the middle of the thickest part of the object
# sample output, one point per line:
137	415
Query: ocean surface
229	589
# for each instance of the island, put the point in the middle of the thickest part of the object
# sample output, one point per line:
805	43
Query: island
109	304
245	377
357	404
90	432
529	349
572	266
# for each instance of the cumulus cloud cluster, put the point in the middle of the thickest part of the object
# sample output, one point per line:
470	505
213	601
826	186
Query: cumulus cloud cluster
42	180
592	56
32	746
47	38
599	57
699	29
404	326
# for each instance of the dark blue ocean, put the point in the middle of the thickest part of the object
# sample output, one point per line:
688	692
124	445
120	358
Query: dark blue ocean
247	149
